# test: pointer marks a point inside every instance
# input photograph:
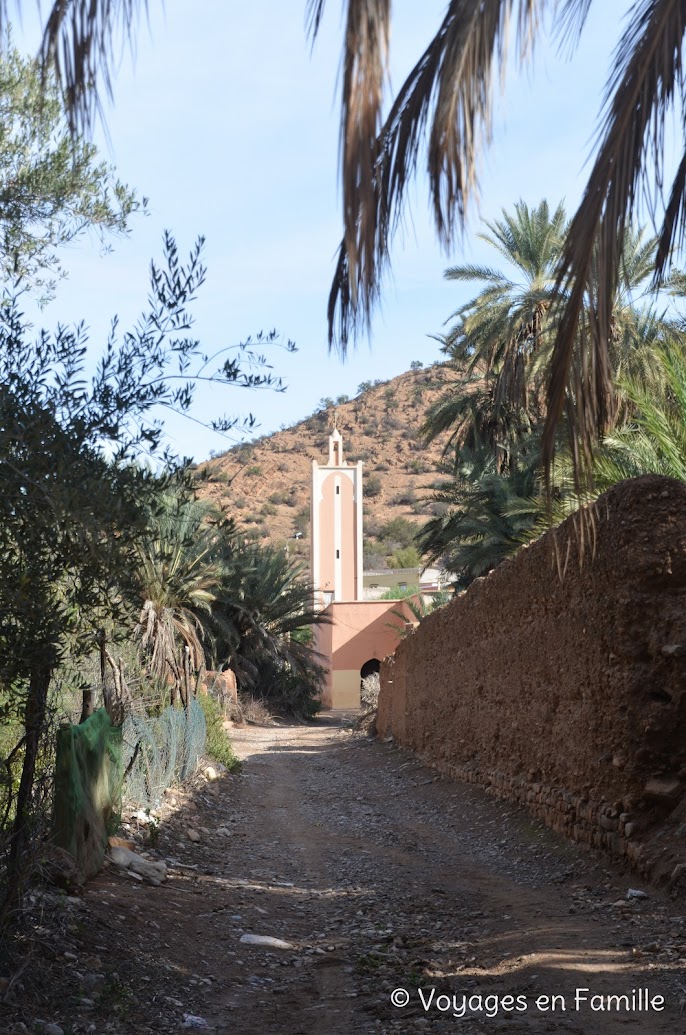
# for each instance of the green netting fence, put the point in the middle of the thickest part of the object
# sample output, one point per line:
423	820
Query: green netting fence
88	786
97	762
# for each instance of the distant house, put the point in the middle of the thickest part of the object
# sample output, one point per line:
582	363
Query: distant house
428	580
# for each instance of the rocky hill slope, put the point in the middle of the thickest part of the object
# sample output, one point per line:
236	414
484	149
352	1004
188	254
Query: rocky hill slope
265	484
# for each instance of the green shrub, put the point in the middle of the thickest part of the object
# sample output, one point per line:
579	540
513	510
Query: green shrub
289	693
396	593
399	530
254	471
219	747
372	486
405	498
373	559
302	520
244	452
408	557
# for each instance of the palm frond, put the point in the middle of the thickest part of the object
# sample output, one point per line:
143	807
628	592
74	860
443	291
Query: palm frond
78	45
646	77
446	97
475	272
571	20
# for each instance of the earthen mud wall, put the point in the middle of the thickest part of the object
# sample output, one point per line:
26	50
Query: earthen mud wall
559	680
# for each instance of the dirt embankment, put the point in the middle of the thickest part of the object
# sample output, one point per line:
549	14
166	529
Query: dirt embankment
558	680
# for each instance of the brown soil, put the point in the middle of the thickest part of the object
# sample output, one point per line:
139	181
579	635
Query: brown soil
382	876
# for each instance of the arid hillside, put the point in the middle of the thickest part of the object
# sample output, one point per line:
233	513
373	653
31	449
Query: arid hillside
265	484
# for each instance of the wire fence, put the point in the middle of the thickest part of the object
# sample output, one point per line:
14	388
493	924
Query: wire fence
161	750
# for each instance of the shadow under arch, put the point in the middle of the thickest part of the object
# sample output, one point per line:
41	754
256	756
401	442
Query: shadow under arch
370	668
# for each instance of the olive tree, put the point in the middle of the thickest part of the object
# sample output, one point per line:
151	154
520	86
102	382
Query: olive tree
75	497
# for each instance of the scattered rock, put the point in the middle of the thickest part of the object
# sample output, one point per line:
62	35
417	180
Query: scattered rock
211	774
192	1021
155	872
635	893
193	835
52	1029
93	983
265	941
121	842
663	790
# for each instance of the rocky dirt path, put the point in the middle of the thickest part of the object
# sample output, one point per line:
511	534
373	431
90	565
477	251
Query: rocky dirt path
381	877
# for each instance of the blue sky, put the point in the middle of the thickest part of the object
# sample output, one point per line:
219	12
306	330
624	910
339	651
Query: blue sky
228	122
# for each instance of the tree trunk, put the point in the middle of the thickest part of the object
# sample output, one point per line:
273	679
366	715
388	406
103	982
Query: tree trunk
34	723
88	699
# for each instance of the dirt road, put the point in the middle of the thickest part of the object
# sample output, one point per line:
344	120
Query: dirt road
382	878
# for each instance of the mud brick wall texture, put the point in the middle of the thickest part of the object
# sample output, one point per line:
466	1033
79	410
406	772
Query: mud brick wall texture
559	680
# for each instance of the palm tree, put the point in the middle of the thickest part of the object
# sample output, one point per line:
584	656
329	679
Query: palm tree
498	337
418	610
653	441
178	577
444	109
263	604
487	513
501	341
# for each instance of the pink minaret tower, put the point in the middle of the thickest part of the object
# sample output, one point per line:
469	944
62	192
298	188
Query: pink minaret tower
336	527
